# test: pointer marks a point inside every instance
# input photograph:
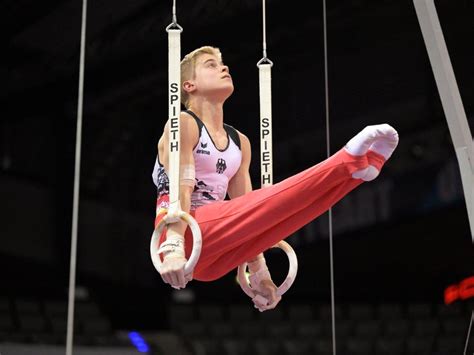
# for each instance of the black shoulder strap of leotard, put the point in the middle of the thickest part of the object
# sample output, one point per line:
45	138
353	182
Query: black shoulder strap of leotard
197	119
231	131
233	134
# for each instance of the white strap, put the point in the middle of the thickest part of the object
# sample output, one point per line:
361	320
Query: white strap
174	109
257	277
266	153
172	247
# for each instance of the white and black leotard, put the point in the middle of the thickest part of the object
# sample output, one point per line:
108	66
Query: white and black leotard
214	167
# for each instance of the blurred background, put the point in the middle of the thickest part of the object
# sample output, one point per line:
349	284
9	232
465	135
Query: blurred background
399	241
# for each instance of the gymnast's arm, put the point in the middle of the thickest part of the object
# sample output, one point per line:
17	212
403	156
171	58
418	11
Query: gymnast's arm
239	185
172	270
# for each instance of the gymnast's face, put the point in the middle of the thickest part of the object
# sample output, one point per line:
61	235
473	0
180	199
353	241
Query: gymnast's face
211	79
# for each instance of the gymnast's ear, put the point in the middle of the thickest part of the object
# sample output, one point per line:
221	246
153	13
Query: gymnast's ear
189	86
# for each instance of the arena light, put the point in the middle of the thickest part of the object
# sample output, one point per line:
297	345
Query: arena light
138	341
461	291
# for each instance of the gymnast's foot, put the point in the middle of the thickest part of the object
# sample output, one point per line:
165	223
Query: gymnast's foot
381	139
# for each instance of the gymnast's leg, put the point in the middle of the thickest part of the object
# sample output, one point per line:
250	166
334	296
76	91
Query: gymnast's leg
235	231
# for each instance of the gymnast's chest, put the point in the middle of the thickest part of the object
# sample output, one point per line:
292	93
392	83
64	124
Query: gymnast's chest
210	160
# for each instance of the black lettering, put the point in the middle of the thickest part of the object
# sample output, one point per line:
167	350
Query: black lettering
266	156
174	98
265	122
266	179
265	132
265	165
174	134
174	146
174	87
174	122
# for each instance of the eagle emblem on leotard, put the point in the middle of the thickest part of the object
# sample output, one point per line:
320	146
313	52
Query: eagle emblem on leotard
220	166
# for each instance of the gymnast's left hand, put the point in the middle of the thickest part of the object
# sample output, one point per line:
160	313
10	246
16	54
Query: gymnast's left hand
172	271
266	295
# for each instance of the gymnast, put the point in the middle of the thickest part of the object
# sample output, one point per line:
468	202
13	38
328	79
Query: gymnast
214	163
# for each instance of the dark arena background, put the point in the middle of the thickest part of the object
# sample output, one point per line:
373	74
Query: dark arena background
402	245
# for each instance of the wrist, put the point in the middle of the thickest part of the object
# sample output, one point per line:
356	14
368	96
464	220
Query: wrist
173	246
257	264
255	278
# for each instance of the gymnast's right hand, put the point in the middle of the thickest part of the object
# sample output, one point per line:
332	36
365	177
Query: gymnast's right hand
172	271
174	260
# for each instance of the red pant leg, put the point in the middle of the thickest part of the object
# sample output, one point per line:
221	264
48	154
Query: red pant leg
237	230
252	223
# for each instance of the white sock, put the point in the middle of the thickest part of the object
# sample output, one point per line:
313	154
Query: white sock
386	145
382	139
367	174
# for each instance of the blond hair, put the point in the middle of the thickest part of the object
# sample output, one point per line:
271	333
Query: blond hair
188	66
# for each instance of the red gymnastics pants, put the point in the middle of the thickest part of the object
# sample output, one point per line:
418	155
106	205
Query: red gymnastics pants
235	231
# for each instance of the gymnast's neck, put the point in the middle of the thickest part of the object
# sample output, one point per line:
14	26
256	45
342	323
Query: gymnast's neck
211	113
